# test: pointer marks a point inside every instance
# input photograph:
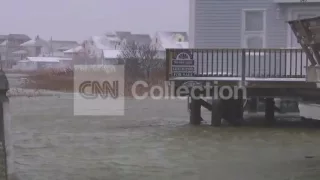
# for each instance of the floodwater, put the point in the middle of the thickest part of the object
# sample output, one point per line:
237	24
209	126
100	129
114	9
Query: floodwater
153	141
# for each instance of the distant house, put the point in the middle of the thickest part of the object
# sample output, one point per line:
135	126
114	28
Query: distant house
35	47
96	45
20	54
111	56
73	51
170	40
10	45
3	38
140	39
37	63
40	47
123	34
61	46
165	40
57	47
108	47
17	39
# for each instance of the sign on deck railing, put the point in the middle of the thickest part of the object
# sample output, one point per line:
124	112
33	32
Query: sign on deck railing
182	64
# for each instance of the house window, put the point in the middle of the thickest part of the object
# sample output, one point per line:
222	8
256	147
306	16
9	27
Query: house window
253	28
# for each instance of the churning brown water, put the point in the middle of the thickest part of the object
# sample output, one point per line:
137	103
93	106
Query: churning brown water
153	141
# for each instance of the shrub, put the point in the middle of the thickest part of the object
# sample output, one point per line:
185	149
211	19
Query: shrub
62	80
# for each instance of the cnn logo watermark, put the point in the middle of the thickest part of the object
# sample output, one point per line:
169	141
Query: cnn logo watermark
99	90
102	92
169	90
96	89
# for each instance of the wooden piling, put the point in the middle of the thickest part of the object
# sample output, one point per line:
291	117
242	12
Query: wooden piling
269	111
216	112
195	109
253	105
232	111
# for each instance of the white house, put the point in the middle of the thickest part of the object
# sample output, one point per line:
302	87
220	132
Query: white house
95	45
73	51
37	63
106	48
35	47
247	23
54	48
170	40
111	56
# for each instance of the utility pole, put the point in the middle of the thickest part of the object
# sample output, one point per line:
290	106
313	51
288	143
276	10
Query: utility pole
7	53
1	63
51	50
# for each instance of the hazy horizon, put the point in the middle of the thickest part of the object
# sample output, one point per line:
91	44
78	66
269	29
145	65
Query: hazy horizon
79	19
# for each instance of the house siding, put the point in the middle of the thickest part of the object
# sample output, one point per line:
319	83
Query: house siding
217	23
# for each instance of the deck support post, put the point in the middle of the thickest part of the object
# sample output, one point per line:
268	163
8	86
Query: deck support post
216	112
269	111
239	110
195	108
232	111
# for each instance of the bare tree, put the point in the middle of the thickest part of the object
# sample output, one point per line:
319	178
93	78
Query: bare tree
140	59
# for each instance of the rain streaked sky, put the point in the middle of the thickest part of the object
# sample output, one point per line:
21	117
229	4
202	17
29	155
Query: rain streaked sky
78	19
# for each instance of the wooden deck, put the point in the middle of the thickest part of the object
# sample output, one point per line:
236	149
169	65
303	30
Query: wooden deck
239	66
265	73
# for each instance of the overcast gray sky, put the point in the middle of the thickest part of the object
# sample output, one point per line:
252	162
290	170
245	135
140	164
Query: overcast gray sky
78	19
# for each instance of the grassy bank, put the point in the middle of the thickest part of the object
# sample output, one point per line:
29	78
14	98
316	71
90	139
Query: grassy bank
63	80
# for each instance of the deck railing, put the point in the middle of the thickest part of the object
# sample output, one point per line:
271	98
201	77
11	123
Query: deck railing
257	63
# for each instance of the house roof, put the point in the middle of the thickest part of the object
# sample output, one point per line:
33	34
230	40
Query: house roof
35	42
104	42
173	39
46	59
31	42
20	52
174	34
62	45
111	53
123	34
23	61
110	34
101	42
43	59
114	38
3	38
52	54
183	44
142	39
74	50
4	43
19	36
